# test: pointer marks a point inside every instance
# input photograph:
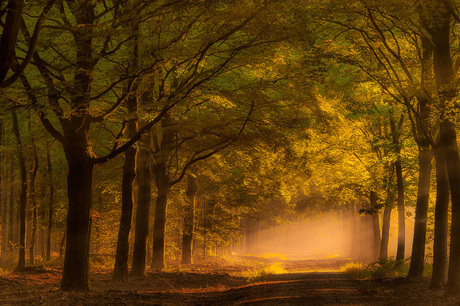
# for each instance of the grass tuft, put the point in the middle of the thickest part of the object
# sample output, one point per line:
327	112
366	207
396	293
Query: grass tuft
381	269
258	274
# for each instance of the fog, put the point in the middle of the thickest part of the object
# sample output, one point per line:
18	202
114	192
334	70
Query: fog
325	236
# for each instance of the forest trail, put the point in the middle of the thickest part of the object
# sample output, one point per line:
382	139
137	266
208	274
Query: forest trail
302	282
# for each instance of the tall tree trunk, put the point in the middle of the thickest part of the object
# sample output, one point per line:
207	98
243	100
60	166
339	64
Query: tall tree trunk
159	227
11	210
386	219
400	253
376	226
144	182
437	20
424	157
23	196
440	260
188	232
120	271
33	201
421	213
449	136
75	275
3	201
50	204
401	213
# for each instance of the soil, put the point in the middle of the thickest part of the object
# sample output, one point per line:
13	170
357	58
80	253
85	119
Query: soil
304	282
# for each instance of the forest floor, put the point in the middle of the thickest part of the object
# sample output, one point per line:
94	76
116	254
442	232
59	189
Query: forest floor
246	280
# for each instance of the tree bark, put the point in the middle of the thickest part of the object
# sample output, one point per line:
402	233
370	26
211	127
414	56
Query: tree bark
75	275
400	252
425	156
144	182
9	36
11	210
376	226
120	272
162	182
421	213
437	24
50	204
33	201
440	259
23	196
188	232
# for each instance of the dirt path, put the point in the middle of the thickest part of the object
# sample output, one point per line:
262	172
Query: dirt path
224	285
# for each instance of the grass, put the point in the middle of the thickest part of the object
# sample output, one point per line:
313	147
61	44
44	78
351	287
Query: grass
381	269
259	273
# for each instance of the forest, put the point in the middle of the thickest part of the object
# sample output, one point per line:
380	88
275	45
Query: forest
195	151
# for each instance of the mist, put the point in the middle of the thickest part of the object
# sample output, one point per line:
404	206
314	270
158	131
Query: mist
331	235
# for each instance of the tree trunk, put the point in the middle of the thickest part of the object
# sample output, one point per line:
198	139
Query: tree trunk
386	219
440	260
425	157
50	204
437	23
187	236
11	211
23	196
79	185
400	253
3	201
120	271
33	201
144	182
421	213
376	226
453	169
162	182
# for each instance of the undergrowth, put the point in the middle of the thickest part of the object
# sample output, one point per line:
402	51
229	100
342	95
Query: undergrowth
259	273
381	269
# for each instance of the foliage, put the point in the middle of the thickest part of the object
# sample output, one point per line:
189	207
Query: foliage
384	268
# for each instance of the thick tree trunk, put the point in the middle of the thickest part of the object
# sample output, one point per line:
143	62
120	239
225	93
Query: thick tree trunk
9	36
3	202
440	260
437	23
453	169
188	232
23	196
76	261
144	182
421	213
158	248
